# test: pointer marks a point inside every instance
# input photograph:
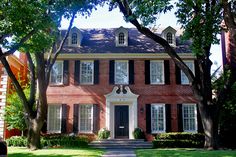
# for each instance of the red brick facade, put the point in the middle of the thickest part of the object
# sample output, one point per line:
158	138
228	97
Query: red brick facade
94	94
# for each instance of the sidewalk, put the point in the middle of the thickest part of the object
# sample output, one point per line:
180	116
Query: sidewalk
119	153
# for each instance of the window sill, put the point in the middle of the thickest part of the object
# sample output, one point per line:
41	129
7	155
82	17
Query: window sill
56	85
81	132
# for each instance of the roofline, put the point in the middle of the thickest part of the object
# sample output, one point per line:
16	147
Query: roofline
122	56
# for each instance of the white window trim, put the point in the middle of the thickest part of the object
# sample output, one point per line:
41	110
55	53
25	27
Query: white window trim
72	38
80	77
181	72
195	115
116	61
86	132
164	117
59	83
163	72
172	38
48	124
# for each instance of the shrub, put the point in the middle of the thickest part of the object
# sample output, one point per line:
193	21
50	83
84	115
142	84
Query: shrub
179	139
103	133
17	141
138	133
51	140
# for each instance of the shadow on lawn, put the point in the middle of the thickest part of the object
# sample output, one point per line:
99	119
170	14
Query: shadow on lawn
55	155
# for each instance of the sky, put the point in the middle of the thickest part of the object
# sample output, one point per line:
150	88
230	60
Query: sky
102	18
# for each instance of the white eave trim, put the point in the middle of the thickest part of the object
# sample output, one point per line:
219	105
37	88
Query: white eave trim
123	56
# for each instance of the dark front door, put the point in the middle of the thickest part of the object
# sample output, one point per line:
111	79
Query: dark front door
121	121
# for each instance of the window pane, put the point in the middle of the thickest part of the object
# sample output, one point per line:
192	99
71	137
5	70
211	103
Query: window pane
169	38
57	73
87	69
189	118
86	118
157	118
184	79
121	38
74	38
156	72
121	72
54	118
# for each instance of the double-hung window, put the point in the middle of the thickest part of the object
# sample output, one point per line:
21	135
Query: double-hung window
158	118
54	118
56	76
87	72
156	72
184	78
74	38
121	38
169	38
86	118
121	72
189	112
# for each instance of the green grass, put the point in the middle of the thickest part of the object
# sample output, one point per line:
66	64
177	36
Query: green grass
54	152
184	153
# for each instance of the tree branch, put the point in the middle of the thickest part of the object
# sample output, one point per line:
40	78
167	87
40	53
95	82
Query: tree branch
16	84
49	67
125	9
228	15
32	79
16	47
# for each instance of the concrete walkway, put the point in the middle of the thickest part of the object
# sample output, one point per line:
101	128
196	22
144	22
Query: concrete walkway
119	153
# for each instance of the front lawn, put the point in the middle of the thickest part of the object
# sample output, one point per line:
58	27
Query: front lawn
184	153
54	152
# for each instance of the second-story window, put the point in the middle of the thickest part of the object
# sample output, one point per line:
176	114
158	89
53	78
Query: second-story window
121	72
169	38
121	38
56	76
74	39
156	72
87	72
184	78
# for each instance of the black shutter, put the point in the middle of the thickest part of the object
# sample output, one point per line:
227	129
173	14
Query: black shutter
63	119
199	121
66	72
177	74
111	72
148	118
168	117
147	71
131	72
77	72
167	71
180	117
96	118
96	72
76	118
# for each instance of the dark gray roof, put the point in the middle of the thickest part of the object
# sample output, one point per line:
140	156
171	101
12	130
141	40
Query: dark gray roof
103	41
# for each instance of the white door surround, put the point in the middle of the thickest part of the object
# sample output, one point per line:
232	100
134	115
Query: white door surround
121	96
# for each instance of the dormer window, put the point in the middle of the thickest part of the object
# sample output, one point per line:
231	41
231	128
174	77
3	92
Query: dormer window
169	34
74	39
169	38
121	38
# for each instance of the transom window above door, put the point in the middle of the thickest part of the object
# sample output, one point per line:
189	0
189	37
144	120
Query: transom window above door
87	72
121	72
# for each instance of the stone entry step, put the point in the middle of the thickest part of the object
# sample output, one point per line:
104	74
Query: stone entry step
120	143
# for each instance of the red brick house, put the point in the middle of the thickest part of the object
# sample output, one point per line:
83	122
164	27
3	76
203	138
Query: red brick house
120	80
20	70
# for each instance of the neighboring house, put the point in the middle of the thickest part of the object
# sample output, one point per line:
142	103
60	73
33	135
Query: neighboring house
120	80
20	70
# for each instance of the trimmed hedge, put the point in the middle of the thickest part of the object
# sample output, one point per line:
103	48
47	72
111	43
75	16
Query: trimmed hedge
179	139
51	141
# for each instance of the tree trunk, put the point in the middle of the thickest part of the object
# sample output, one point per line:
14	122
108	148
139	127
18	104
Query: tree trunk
34	129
